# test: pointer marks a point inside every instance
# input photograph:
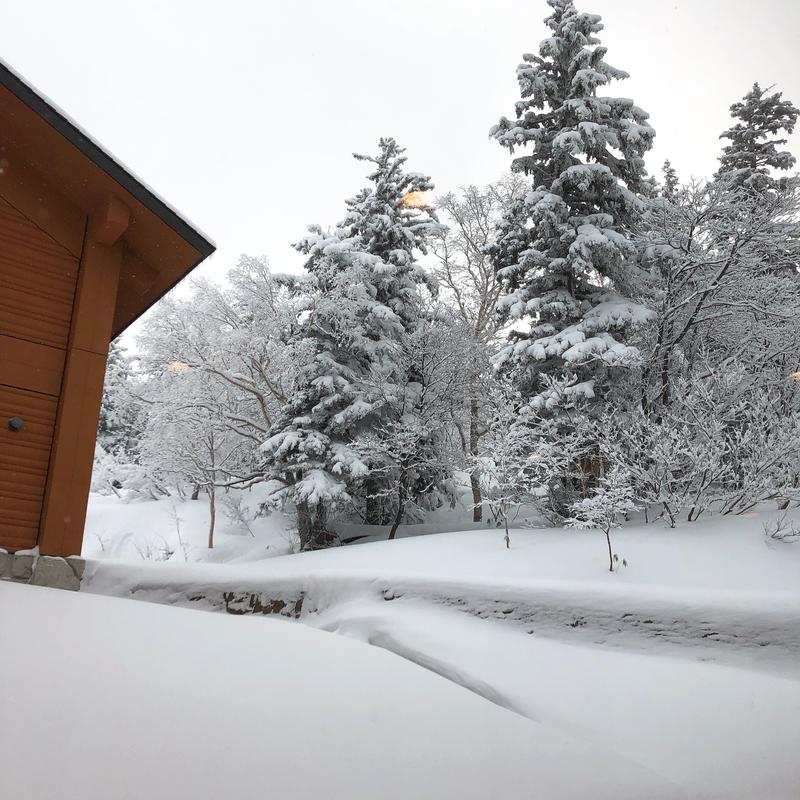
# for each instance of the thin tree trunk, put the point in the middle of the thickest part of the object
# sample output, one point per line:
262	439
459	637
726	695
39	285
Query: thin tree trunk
508	538
212	492
196	491
398	517
477	499
664	373
372	506
610	554
212	514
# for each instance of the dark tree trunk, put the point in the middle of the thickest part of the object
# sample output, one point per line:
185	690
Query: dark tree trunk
398	517
312	527
373	512
196	491
304	525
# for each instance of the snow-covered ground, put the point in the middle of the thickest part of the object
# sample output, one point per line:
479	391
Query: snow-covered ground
111	699
177	530
715	730
686	663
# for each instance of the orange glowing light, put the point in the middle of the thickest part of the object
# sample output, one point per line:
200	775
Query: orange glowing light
177	366
418	199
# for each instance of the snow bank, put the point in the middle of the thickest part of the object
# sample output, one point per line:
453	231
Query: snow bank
115	699
687	662
715	590
719	732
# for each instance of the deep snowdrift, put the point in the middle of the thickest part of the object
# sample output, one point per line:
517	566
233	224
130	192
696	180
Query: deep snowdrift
687	662
111	699
719	732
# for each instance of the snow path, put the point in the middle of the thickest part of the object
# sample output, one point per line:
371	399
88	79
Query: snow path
725	732
721	731
717	589
756	629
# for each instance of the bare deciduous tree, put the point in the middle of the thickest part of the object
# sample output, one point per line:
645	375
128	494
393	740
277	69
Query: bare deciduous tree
467	279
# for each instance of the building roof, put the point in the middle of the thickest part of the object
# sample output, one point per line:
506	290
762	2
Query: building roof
161	246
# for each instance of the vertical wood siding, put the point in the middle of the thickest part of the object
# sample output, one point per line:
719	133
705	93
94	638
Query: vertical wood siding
37	289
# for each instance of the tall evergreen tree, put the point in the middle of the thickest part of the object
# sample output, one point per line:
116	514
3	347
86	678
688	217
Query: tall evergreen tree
754	149
121	414
670	188
748	165
563	254
362	293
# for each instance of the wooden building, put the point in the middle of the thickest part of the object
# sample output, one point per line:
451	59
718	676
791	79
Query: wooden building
85	249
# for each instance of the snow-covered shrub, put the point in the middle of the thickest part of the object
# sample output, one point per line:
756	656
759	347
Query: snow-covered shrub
114	474
605	508
782	530
725	443
237	511
502	466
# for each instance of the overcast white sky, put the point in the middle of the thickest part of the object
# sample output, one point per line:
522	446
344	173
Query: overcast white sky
243	115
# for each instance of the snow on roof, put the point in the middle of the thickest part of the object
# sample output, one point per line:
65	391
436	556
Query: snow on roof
58	119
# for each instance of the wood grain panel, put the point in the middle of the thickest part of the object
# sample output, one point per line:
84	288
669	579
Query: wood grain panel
99	279
24	459
73	453
27	365
70	474
25	189
37	281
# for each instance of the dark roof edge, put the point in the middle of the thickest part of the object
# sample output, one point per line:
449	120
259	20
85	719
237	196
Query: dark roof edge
92	150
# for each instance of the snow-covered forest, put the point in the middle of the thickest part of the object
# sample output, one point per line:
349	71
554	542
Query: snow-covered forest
498	494
576	343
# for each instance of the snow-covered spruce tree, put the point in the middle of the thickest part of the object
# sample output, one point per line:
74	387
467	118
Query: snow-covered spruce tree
564	254
749	169
753	152
670	187
361	299
410	448
121	413
123	416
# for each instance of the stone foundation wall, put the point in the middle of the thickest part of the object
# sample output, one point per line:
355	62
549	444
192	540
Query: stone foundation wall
52	571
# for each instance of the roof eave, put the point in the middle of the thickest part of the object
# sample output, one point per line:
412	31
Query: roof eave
84	143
